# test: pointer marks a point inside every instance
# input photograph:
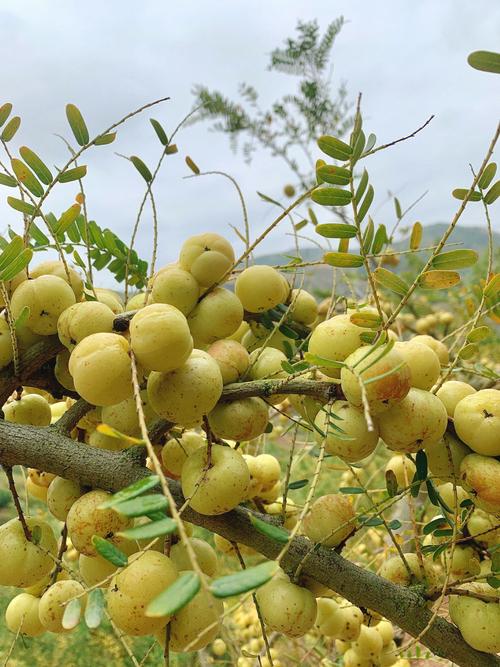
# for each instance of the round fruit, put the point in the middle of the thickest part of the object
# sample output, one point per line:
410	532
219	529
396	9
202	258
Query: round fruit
176	450
184	395
61	495
85	520
477	421
418	421
260	288
439	348
369	643
57	268
95	569
51	609
481	476
6	351
217	315
477	620
267	470
101	370
340	620
335	339
208	257
83	319
22	562
219	488
46	297
123	416
137	301
205	555
110	298
30	409
160	337
484	528
451	392
40	478
241	420
134	587
38	492
304	308
422	361
287	608
346	432
438	457
330	520
232	358
403	468
21	615
61	371
176	287
11	285
394	570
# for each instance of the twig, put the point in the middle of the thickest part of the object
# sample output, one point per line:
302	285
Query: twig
17	503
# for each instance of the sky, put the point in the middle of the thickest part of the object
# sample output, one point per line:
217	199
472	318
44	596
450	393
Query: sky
408	59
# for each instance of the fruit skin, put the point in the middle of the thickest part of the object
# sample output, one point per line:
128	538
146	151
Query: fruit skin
438	457
439	348
481	476
160	337
176	450
207	257
218	315
110	298
133	588
184	395
477	421
330	520
23	563
51	609
101	371
205	555
57	268
418	421
232	358
260	287
95	569
176	287
477	620
484	528
335	339
304	308
85	520
6	351
220	488
287	608
266	362
394	570
340	620
21	615
403	468
61	371
241	420
61	495
82	319
47	297
356	442
422	361
268	470
31	409
451	392
381	394
137	301
369	643
123	416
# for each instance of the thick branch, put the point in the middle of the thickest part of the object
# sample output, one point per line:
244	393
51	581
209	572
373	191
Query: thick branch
47	449
264	388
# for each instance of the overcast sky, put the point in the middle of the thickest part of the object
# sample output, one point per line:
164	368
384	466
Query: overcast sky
407	58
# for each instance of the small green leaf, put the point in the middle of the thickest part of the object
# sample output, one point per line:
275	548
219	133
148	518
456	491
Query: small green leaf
11	251
243	581
299	484
368	235
71	175
36	534
142	505
94	610
391	483
331	196
39	167
334	148
322	361
366	203
435	498
109	552
493	193
192	165
478	334
148	531
397	207
362	185
421	466
435	524
105	139
141	168
370	521
468	351
332	230
77	124
67	219
160	132
72	613
416	236
351	490
175	597
366	319
395	524
370	142
461	193
485	61
5	110
455	259
26	177
344	260
20	263
380	239
390	281
487	176
274	532
332	174
492	287
439	279
37	235
7	180
132	491
10	129
492	581
171	149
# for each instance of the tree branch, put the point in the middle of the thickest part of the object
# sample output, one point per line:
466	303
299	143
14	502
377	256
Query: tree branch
49	450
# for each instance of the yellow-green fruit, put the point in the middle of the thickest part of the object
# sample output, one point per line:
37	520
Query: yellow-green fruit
465	562
438	457
96	569
85	520
23	563
267	469
40	477
208	257
13	284
160	337
110	298
217	315
38	492
369	643
241	420
101	371
103	441
6	351
304	308
184	395
439	348
46	297
287	608
57	268
353	658
389	655
335	339
31	409
57	410
394	570
232	358
137	301
255	486
260	288
340	620
422	361
480	475
240	332
123	416
61	495
134	587
266	362
306	406
21	615
218	647
386	631
38	588
483	527
477	421
403	468
219	488
176	450
386	376
477	620
83	319
25	337
346	432
51	609
196	625
451	392
330	520
448	495
176	287
61	371
205	556
419	420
